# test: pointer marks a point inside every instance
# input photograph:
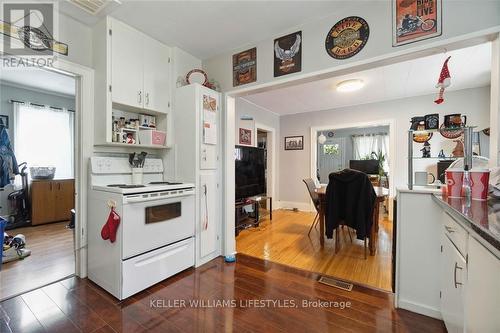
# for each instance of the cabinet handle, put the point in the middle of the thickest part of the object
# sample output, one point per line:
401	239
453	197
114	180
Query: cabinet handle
455	276
51	186
449	229
139	97
59	186
147	98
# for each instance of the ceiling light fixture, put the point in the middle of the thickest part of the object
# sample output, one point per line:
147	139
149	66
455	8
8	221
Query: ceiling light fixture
350	85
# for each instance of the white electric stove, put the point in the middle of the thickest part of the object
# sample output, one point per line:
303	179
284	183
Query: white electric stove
155	239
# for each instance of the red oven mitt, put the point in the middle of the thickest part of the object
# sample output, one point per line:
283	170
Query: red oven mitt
109	229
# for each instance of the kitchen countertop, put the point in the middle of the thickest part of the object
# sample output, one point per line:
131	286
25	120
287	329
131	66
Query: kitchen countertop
482	217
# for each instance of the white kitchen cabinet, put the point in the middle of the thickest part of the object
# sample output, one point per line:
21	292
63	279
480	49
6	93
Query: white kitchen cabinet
197	162
209	212
482	301
453	281
126	64
208	152
156	76
132	74
418	243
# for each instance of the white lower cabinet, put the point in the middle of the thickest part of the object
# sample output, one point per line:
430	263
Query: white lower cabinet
453	276
209	217
482	301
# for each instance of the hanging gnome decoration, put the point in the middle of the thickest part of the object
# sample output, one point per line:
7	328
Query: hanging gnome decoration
443	82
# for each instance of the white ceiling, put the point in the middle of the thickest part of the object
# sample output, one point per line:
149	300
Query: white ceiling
469	68
209	28
39	79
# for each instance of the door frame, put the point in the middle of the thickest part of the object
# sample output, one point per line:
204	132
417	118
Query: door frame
418	51
84	142
272	167
382	122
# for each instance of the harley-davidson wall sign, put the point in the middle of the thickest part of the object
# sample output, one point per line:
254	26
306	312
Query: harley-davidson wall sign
245	67
347	37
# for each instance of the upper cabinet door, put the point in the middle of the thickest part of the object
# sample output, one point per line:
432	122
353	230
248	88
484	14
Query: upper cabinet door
156	75
126	65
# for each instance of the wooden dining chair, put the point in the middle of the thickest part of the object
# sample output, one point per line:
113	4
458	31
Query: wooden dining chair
311	188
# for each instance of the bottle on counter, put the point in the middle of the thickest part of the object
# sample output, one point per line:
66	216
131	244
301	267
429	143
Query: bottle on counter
466	186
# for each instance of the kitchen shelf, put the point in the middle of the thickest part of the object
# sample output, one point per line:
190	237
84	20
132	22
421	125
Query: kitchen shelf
467	133
128	145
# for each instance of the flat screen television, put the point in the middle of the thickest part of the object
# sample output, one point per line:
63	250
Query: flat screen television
369	167
250	172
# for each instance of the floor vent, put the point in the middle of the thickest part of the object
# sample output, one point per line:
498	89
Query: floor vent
336	283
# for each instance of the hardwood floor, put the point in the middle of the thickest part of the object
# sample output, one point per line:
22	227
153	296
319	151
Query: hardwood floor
284	240
76	305
52	258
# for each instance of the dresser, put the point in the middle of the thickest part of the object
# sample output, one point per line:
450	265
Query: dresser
52	200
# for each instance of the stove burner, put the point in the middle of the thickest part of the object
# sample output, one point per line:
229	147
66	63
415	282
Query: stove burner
164	183
126	186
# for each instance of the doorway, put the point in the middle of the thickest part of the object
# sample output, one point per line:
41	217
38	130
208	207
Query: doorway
38	190
383	109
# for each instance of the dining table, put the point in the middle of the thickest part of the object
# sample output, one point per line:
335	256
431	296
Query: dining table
381	192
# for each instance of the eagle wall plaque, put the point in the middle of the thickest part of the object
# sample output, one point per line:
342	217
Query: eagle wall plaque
288	54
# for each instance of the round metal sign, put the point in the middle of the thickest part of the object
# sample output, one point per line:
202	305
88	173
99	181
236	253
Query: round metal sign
347	37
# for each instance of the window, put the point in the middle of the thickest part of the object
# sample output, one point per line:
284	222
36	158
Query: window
364	145
44	137
332	149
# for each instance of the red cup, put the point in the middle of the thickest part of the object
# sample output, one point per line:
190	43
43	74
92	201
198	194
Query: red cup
479	182
454	181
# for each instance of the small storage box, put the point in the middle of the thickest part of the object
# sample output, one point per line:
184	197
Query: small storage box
152	137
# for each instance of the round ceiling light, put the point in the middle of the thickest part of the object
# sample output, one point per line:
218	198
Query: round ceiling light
350	85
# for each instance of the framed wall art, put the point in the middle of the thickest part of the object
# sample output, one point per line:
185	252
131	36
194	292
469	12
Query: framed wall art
288	54
245	136
415	20
245	67
294	142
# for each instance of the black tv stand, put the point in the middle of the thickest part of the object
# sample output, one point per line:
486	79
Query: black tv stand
244	220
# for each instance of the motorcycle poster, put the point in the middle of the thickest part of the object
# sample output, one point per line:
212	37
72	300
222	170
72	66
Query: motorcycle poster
415	20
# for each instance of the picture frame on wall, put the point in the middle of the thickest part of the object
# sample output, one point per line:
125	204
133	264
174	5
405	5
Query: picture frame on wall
294	142
4	121
245	67
415	20
288	54
245	136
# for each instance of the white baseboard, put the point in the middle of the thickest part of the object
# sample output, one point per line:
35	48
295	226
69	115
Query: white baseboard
302	206
420	308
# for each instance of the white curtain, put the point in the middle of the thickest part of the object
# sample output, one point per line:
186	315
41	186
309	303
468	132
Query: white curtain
44	137
364	145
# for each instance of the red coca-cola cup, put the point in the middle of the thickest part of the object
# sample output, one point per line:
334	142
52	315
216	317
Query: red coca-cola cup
479	182
454	181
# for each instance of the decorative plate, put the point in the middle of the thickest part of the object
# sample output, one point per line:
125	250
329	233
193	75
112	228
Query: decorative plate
450	133
422	136
197	76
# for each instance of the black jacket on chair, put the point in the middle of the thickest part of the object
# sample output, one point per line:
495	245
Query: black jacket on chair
350	199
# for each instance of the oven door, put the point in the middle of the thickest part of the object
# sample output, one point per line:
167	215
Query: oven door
151	223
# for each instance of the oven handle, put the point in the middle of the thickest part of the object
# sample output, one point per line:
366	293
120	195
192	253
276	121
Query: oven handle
155	198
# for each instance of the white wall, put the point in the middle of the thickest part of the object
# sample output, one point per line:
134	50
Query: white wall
182	62
295	165
79	39
459	17
245	108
